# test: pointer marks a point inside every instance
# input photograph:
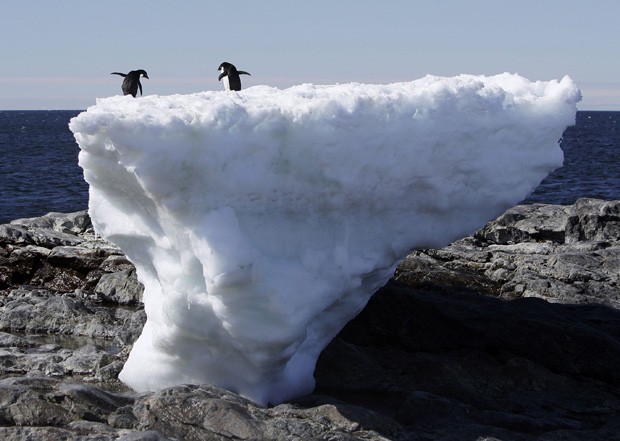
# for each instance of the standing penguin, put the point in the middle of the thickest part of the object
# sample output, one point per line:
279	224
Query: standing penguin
131	83
231	76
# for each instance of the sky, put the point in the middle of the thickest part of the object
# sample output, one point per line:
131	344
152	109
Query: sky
59	54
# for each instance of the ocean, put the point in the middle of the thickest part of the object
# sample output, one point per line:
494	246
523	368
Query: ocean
39	171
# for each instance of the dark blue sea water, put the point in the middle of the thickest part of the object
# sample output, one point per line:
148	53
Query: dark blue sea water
39	171
591	162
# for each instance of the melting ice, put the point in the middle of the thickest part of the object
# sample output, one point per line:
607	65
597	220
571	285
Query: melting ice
260	222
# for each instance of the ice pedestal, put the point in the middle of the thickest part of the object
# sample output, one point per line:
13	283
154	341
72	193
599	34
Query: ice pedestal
260	222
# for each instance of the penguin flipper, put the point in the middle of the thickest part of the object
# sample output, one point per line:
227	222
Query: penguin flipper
242	72
118	73
222	75
140	86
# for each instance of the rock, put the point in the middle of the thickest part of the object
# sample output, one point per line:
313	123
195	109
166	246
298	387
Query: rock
568	254
511	333
77	258
89	363
36	434
87	360
121	287
48	313
206	412
442	364
183	412
90	402
116	263
21	264
594	220
149	435
70	223
9	340
43	311
43	237
193	412
527	223
13	234
57	279
58	251
79	409
24	403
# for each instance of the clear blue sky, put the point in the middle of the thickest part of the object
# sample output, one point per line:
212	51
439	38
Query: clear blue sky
59	54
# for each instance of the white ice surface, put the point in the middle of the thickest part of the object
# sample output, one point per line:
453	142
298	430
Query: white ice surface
260	222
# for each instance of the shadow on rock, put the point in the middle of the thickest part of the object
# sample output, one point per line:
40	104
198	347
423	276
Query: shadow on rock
464	365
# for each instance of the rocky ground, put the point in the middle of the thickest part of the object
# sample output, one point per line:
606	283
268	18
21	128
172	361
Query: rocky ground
511	334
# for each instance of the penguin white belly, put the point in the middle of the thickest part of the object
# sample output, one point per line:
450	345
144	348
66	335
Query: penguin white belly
226	82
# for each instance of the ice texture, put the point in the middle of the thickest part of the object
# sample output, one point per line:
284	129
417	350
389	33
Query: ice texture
260	222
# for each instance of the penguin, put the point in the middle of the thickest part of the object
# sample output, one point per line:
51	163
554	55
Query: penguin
131	83
231	76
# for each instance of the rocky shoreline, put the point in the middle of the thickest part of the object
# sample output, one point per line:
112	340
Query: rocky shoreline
512	333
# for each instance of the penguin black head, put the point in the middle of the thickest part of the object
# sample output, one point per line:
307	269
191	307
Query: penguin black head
141	72
131	83
226	67
231	76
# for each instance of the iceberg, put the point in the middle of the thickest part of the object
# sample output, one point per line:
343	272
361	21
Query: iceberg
260	222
